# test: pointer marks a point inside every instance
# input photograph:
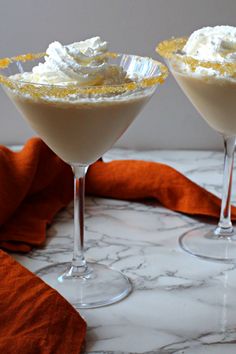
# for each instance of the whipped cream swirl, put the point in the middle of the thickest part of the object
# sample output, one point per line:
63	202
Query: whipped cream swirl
216	44
82	63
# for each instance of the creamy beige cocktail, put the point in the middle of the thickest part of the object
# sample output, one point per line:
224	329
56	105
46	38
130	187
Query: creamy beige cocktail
205	69
80	127
214	98
80	100
80	132
204	65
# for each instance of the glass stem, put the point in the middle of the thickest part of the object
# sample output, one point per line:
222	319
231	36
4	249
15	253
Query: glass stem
78	261
225	226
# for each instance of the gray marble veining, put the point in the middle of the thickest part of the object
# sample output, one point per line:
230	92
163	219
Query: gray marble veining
180	304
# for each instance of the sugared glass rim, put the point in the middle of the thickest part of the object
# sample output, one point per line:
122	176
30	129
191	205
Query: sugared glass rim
172	49
38	90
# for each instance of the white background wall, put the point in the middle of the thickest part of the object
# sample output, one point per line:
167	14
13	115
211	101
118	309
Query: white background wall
133	26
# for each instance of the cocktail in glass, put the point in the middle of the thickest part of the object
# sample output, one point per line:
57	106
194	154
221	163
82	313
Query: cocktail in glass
214	98
80	124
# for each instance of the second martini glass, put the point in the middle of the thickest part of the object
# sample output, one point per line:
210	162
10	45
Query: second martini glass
214	98
80	124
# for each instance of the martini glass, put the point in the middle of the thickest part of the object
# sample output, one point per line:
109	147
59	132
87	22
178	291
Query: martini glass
80	124
214	98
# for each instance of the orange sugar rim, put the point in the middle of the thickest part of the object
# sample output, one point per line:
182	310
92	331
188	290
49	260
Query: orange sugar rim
38	90
172	48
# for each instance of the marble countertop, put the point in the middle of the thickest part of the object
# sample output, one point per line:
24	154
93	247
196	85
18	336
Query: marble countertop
180	304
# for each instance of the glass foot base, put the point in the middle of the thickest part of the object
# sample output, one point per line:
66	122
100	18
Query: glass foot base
209	245
100	286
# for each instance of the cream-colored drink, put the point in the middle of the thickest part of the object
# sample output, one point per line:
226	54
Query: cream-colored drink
212	91
79	129
80	132
215	100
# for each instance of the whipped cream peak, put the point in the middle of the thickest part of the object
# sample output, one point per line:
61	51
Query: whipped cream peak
87	49
80	63
212	44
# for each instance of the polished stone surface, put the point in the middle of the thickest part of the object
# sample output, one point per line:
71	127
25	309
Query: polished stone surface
180	304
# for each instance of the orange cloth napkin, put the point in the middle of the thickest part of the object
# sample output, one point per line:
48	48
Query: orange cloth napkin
139	180
34	317
35	184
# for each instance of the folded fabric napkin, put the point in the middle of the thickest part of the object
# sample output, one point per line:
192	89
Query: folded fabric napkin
35	184
140	180
35	319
